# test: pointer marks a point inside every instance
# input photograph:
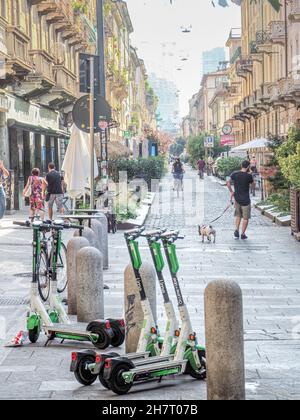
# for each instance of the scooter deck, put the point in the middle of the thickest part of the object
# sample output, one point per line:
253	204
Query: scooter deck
164	365
76	329
151	360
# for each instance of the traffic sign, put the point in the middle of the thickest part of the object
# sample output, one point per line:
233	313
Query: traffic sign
228	141
209	142
81	113
103	125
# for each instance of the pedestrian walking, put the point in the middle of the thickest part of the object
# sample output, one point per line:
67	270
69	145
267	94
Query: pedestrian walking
201	167
35	190
4	174
242	181
55	194
178	172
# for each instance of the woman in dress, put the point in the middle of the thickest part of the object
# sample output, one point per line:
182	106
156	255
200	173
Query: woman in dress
4	174
36	187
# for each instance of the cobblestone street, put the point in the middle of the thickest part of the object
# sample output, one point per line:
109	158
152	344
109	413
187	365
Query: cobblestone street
267	267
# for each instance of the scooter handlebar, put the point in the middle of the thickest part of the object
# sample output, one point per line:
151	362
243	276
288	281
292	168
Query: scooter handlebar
135	232
151	233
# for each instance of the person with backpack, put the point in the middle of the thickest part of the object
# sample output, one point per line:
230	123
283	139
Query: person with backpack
178	172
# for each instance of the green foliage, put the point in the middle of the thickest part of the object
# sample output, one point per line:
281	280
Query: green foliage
288	157
196	149
178	147
281	202
227	166
147	169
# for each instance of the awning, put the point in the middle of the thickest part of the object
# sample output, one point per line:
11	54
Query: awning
259	143
38	129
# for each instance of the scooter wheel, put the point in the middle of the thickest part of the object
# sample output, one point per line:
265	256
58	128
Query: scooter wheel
34	335
116	382
83	375
200	375
103	382
104	340
119	336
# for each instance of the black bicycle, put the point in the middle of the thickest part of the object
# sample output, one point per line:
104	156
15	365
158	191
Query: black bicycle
47	253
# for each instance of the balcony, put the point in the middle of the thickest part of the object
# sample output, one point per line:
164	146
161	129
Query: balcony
17	49
249	106
276	99
244	66
278	32
40	80
294	88
285	87
66	89
266	93
257	101
294	10
263	42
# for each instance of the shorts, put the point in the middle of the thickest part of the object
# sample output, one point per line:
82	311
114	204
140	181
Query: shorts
58	199
244	212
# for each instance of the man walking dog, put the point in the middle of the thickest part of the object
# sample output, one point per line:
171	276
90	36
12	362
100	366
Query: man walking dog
242	181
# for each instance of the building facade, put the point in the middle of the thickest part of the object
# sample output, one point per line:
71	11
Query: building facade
39	46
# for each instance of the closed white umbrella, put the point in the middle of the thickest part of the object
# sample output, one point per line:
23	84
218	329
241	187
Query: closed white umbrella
77	163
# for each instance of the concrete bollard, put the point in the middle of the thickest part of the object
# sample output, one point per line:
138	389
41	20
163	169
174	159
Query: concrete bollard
74	245
90	295
101	218
90	235
224	341
133	311
98	231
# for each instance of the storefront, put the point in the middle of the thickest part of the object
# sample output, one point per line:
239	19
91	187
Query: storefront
35	140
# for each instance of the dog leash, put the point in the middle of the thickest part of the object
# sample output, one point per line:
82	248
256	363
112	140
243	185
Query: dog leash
224	212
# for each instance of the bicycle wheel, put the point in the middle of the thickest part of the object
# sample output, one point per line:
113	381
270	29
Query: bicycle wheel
62	279
43	277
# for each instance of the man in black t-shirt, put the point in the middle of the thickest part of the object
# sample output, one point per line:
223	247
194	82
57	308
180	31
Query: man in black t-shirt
242	181
54	190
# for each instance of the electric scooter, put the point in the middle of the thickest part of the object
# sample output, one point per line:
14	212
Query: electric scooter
121	373
55	322
88	365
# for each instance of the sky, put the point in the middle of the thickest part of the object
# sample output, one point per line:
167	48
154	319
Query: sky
161	43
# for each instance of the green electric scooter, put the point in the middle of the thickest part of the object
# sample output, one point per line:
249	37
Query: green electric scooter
88	365
121	373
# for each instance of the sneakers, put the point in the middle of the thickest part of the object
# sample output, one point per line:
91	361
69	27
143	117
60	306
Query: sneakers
237	234
244	237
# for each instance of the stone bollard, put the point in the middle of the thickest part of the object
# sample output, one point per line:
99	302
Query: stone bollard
74	245
133	310
224	341
90	235
101	218
90	295
97	228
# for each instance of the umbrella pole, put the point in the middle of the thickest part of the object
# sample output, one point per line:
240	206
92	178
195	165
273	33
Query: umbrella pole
92	133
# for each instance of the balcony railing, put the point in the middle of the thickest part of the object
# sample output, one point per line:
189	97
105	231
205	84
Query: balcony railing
17	49
294	10
278	32
66	81
263	37
236	55
43	64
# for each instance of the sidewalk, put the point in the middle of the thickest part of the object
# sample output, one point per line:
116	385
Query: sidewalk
267	267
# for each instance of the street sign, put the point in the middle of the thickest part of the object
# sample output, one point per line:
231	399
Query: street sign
85	73
103	125
228	141
209	142
81	113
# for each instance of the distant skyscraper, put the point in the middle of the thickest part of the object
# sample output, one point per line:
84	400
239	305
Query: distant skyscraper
212	58
168	106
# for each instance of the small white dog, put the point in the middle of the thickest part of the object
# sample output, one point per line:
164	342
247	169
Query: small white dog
207	232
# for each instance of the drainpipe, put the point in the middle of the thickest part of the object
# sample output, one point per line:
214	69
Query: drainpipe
286	40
